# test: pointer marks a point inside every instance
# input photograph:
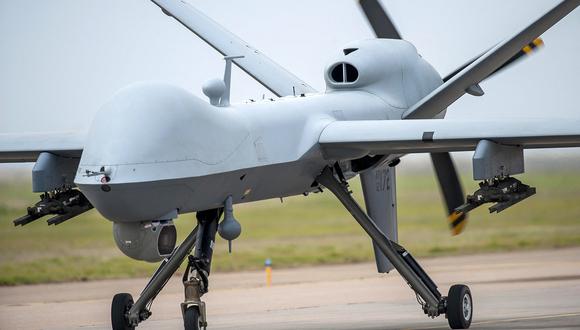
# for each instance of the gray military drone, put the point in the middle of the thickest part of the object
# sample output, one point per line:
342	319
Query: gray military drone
168	152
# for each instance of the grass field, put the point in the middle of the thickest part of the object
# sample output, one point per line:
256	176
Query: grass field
300	231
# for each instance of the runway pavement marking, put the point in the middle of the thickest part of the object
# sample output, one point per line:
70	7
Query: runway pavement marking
530	318
531	279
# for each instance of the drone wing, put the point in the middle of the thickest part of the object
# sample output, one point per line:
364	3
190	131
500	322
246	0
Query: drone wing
354	139
267	72
478	70
18	148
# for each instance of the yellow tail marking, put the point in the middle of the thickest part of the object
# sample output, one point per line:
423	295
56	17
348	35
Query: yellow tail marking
529	48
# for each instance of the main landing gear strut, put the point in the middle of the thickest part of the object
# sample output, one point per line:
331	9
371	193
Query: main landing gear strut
457	306
126	315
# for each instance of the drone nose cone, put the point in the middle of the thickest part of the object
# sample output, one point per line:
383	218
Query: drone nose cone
153	132
144	122
153	123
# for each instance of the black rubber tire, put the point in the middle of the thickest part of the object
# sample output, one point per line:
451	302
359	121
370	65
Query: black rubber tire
121	304
459	307
191	319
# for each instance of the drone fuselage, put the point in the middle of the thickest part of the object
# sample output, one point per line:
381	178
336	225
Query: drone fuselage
158	150
179	153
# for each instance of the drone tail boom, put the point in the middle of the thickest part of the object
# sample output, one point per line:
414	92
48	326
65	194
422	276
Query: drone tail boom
442	97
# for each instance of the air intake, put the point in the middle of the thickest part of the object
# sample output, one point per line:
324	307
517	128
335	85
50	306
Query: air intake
343	73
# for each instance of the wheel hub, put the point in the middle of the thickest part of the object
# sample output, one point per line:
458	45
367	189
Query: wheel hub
466	307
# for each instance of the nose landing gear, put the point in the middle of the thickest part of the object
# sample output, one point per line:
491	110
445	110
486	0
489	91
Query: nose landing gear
126	315
195	282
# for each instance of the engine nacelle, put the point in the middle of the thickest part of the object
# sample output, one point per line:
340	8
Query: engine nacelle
390	69
149	241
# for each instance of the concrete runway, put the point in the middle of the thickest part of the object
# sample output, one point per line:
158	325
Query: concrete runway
523	290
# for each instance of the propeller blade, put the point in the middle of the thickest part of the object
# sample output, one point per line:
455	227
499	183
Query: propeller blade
451	190
379	19
527	50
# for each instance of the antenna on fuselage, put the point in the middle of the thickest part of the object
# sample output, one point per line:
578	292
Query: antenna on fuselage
217	90
225	99
229	229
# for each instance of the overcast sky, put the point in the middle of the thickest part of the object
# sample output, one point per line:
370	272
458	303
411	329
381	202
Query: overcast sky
61	59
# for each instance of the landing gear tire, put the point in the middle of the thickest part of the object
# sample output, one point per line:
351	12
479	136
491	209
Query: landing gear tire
121	304
459	307
191	319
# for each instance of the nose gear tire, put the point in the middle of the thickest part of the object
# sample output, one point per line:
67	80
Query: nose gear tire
191	319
